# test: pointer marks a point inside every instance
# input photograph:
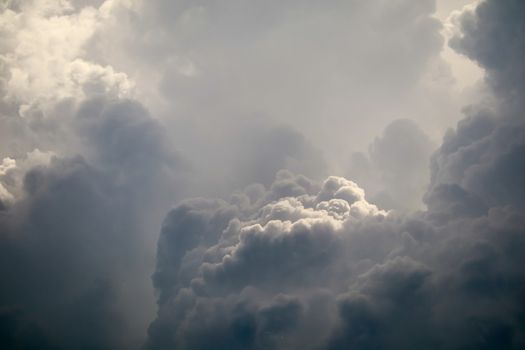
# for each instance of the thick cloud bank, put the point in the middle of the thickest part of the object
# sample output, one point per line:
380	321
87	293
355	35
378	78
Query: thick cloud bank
74	248
302	265
299	266
85	176
112	110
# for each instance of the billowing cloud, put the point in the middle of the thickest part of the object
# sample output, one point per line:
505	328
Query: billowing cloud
339	273
111	111
75	244
255	254
484	155
492	34
85	179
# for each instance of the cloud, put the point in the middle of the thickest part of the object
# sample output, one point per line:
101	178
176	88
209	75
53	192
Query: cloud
351	275
45	71
7	165
364	277
85	177
492	34
55	241
252	151
484	154
396	169
78	232
319	68
215	257
112	110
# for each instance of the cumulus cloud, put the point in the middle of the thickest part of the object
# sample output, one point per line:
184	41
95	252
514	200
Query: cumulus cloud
484	154
255	255
79	234
492	34
7	164
339	272
55	241
85	177
112	110
45	71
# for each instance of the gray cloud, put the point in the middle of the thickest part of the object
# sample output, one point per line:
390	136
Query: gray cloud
321	68
75	246
396	169
449	277
492	35
363	278
484	155
86	177
251	152
241	90
55	242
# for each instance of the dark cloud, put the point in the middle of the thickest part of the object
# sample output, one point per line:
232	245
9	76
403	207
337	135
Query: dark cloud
380	280
319	67
484	155
75	247
449	277
57	263
230	263
288	263
493	35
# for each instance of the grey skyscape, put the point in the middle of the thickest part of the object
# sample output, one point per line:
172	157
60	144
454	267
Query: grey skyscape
297	174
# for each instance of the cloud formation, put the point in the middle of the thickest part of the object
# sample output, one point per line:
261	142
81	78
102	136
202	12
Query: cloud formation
320	68
336	272
85	176
78	234
322	268
110	111
492	34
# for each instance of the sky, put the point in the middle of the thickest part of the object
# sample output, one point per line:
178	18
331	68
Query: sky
296	174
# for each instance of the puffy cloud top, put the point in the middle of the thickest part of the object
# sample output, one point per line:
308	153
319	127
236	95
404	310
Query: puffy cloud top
492	34
338	272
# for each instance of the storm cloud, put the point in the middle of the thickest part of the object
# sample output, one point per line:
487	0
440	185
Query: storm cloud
332	271
232	118
75	243
337	272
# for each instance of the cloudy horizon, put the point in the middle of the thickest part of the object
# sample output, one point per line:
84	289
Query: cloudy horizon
262	174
